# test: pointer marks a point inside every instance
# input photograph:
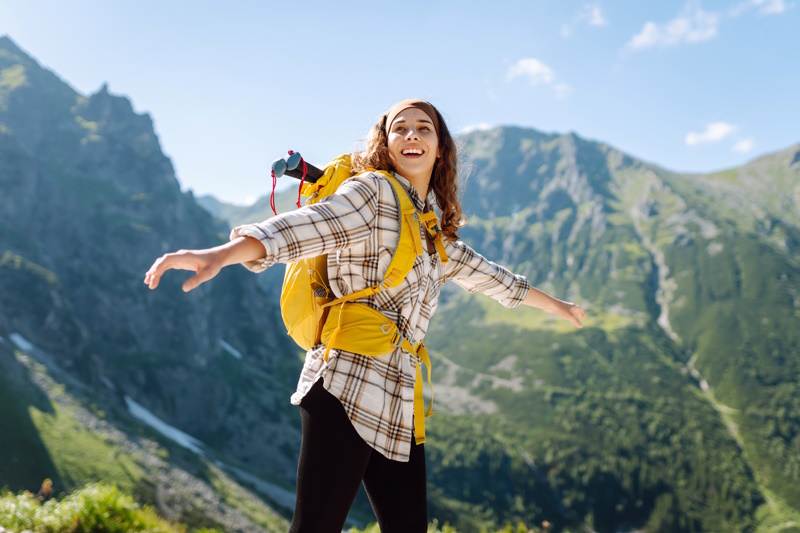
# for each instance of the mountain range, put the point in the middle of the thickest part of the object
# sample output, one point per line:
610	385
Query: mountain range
675	408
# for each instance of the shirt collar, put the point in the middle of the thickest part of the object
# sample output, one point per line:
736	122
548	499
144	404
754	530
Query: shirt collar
420	203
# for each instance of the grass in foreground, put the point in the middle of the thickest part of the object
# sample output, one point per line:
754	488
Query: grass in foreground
96	508
99	508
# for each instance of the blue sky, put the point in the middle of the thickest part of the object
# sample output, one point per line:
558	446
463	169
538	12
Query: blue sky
692	86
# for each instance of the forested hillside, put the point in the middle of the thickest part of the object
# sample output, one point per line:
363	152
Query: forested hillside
676	406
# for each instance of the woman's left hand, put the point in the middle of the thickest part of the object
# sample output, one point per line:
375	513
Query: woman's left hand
569	311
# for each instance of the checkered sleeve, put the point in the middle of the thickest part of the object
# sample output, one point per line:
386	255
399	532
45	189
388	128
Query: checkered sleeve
471	271
338	221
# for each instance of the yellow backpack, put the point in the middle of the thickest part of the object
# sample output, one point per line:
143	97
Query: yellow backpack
312	315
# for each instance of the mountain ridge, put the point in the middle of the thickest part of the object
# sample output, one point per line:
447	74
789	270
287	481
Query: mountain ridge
673	409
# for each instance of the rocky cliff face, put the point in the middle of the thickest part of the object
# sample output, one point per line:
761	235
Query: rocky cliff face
88	202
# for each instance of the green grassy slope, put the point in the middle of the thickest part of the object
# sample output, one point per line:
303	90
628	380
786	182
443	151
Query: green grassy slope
52	428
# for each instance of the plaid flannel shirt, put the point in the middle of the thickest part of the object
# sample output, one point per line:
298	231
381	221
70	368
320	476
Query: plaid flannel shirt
359	227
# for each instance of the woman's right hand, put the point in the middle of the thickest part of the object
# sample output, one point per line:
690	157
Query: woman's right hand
205	263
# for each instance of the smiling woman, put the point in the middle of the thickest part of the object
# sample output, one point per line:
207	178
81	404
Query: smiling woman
362	409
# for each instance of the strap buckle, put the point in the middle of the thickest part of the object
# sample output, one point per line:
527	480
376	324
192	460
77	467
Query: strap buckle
397	340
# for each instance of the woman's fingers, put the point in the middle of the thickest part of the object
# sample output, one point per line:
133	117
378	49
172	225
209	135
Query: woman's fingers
203	275
152	277
578	313
574	313
181	260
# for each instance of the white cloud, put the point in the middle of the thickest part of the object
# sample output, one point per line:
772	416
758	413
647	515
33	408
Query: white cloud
591	14
533	69
483	126
692	25
537	73
596	17
743	145
771	7
765	7
715	131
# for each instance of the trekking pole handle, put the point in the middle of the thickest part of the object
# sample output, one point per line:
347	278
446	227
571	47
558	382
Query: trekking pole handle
278	168
293	168
312	173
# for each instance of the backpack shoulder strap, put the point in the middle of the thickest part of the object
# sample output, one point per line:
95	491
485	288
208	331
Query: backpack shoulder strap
431	223
409	245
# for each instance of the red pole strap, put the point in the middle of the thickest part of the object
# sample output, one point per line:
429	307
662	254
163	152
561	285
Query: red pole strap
272	196
275	184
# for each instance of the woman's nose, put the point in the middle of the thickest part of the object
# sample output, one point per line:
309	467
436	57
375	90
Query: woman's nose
412	133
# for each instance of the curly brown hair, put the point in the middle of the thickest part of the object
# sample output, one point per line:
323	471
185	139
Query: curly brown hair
444	179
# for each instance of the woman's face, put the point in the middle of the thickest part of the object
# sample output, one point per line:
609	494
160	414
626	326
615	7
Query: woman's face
413	144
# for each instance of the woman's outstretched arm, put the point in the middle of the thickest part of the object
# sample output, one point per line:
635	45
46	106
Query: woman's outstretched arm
205	263
548	304
338	221
473	272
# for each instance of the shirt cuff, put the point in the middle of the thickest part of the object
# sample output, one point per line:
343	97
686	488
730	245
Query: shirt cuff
265	237
520	291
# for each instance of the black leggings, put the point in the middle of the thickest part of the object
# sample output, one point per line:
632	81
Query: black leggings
334	460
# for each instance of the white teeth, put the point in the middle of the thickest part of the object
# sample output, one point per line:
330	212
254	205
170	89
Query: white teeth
412	151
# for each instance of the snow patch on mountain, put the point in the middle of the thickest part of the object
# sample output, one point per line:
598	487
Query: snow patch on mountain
172	433
22	343
230	349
